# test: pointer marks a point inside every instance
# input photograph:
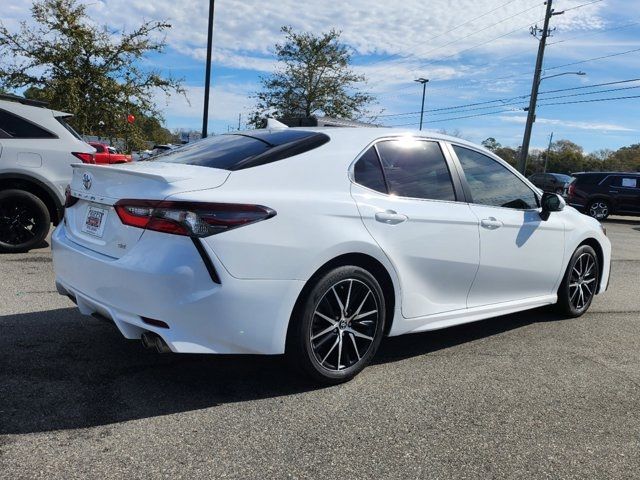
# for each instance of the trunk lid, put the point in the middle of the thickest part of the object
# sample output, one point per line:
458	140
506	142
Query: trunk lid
93	222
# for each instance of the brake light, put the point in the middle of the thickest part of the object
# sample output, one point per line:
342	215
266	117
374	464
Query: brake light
189	218
572	189
69	199
85	157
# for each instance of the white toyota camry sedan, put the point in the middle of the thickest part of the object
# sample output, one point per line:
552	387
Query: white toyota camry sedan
317	243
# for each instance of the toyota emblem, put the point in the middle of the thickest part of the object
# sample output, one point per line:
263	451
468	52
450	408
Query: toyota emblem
86	180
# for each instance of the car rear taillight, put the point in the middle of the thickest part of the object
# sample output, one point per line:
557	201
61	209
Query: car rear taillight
85	157
69	199
193	219
572	190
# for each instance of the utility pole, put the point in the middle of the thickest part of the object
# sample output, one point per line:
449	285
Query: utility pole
546	158
424	82
207	76
531	114
239	120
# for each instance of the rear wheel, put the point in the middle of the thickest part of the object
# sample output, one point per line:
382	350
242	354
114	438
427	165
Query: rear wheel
598	209
580	282
338	325
24	221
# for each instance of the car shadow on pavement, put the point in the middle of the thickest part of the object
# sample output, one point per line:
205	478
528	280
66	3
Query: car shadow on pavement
60	370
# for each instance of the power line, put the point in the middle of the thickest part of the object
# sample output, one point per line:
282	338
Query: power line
590	100
593	59
583	5
461	117
513	110
612	29
456	107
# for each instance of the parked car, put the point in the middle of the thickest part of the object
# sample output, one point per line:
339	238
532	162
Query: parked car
600	194
106	154
551	182
317	243
37	148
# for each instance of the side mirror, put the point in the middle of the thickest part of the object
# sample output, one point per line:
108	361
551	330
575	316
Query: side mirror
551	202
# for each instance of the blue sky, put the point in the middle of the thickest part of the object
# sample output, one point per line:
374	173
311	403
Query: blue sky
473	51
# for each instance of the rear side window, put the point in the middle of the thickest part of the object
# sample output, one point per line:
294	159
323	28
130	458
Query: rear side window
626	182
17	127
416	169
493	184
368	171
238	151
589	179
62	121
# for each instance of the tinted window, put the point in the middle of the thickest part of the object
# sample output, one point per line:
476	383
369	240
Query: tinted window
416	169
99	148
238	151
589	179
63	122
627	182
368	172
17	127
493	184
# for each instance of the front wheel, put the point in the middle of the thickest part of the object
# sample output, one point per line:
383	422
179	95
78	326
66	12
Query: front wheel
24	221
580	282
338	325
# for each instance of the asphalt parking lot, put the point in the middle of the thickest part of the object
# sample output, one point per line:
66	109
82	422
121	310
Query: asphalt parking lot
521	396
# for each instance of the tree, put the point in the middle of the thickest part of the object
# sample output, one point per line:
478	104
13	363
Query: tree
491	144
313	78
90	71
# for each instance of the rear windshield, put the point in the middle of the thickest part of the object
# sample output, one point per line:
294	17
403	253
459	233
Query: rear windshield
563	178
237	151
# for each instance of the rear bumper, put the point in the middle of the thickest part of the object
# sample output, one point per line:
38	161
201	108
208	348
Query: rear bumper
164	278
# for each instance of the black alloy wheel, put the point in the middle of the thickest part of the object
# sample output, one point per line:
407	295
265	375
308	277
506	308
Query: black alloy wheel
580	282
24	221
339	325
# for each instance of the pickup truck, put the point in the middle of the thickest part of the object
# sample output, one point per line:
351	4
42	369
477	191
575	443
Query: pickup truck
106	154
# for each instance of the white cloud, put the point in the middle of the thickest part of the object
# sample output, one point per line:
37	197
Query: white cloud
606	127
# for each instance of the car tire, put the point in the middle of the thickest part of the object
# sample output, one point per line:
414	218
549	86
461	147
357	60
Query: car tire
599	209
337	325
24	221
580	282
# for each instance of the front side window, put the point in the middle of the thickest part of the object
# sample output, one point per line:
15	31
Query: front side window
493	184
16	127
416	169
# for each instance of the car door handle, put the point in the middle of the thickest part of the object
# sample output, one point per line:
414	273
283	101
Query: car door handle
390	217
491	223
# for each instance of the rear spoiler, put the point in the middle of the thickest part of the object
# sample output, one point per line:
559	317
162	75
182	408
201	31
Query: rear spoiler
128	171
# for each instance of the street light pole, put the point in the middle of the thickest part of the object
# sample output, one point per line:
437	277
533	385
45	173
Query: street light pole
423	81
207	79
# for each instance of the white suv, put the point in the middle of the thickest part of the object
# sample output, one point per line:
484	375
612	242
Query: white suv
37	148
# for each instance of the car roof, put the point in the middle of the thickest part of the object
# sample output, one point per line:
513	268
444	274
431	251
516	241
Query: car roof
366	135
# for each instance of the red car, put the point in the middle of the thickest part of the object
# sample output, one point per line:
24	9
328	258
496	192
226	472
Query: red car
106	154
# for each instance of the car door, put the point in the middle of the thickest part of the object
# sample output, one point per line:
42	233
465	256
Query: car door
407	198
626	191
521	256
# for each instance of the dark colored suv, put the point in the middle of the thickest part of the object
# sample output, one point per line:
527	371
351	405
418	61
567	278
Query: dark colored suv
600	194
551	182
